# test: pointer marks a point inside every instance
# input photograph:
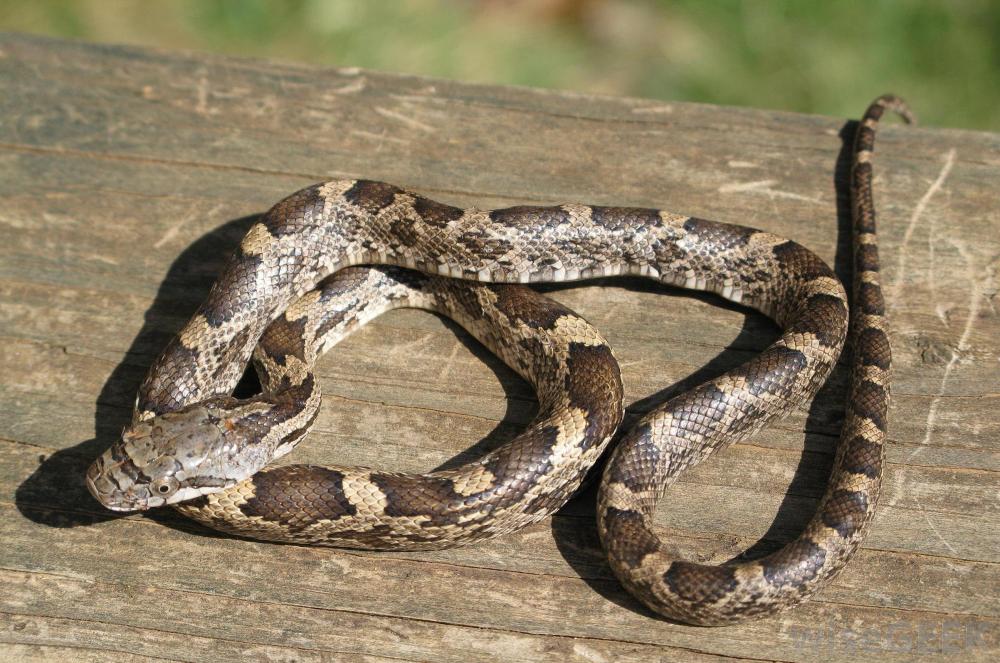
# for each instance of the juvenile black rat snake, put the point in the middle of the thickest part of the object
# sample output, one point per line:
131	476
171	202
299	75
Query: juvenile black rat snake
182	446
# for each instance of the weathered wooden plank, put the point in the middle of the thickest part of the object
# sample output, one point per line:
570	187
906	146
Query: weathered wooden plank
409	588
191	625
127	176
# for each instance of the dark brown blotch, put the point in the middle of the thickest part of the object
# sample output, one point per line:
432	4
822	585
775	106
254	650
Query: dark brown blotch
288	399
871	401
800	261
700	584
846	512
870	300
298	496
627	536
434	213
285	338
403	229
861	194
862	456
876	108
866	258
861	180
526	307
416	495
285	401
372	196
594	385
873	348
825	316
518	464
865	139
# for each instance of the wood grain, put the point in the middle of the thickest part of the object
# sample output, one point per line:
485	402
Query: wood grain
128	174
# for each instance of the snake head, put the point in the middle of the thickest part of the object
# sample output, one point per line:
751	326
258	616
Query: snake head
176	456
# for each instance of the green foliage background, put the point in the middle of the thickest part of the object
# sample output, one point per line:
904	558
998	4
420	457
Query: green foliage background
802	55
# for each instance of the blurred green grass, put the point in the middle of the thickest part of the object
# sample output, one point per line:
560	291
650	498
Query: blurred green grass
816	57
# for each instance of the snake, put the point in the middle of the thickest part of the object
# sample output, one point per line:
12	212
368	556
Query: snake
183	410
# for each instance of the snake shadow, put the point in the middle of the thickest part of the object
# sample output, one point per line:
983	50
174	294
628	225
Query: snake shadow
55	493
574	528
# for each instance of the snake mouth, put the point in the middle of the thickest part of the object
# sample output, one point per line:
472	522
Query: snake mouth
110	496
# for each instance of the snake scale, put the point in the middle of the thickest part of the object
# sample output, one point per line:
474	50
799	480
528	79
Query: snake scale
181	447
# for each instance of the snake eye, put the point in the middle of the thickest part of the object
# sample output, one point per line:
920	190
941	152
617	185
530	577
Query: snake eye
166	486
